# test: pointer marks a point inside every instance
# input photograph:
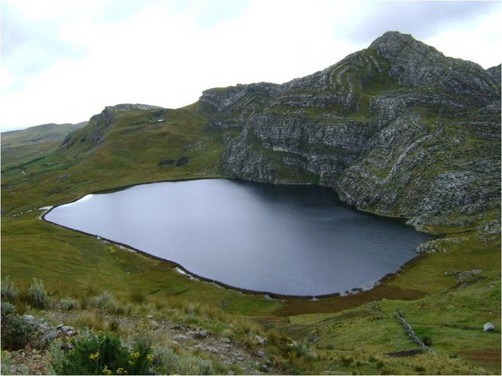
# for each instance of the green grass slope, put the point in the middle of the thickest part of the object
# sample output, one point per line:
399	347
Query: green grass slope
19	147
445	296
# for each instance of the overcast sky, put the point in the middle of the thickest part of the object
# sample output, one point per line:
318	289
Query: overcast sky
65	60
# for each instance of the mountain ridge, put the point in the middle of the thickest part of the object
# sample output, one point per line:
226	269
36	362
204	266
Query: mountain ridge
366	122
397	129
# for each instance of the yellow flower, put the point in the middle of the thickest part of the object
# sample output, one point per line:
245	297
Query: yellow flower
149	357
106	371
94	356
120	371
134	355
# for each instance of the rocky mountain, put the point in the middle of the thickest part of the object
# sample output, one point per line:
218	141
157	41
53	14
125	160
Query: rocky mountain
396	129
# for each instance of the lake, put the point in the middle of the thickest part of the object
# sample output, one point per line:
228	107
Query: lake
288	240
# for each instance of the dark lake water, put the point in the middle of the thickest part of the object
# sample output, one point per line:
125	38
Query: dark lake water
291	240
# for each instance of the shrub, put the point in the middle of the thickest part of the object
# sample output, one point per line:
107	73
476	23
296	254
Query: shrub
9	291
104	301
114	325
104	354
37	294
301	350
427	341
166	362
420	369
67	304
227	333
91	320
16	331
137	297
191	365
274	337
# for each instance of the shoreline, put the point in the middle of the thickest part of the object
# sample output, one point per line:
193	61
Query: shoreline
176	267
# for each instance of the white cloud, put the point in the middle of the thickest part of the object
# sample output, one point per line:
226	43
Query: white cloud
63	61
478	40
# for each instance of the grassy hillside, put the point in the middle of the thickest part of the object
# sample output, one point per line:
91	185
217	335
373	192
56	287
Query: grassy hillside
19	147
445	296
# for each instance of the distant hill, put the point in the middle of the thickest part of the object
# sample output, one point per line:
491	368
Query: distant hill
39	133
22	146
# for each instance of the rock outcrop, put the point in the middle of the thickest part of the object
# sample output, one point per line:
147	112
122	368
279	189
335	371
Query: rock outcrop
95	131
397	129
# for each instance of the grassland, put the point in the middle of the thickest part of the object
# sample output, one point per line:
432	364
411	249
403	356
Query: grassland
439	294
23	146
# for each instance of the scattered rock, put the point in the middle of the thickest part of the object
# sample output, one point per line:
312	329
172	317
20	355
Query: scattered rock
488	327
198	333
466	278
260	340
154	325
29	318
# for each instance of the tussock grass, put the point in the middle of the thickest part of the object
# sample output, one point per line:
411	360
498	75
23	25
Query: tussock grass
94	320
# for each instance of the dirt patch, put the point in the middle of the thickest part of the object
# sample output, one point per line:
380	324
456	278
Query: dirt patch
337	303
487	357
341	303
405	353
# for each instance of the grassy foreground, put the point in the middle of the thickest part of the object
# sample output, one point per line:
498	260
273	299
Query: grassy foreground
446	296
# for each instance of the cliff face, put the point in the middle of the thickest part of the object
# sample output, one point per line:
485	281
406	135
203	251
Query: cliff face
397	129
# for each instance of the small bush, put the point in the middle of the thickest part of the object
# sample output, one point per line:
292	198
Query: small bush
166	362
301	350
103	301
137	297
37	294
191	365
227	333
246	326
427	341
67	304
16	331
9	290
274	337
420	369
191	308
104	354
91	320
114	326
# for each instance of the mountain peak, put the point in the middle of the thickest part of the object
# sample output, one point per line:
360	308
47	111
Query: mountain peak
416	64
133	107
393	44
